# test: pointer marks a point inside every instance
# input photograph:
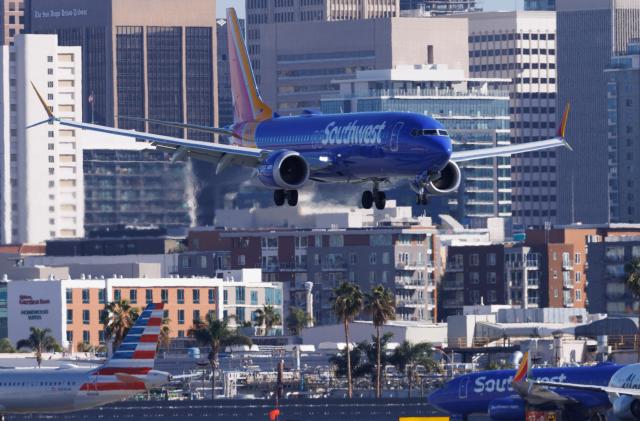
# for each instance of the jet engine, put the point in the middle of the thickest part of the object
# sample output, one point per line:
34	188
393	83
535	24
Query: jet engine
447	182
626	408
507	409
286	170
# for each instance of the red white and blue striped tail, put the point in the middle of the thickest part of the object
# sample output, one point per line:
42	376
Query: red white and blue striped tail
137	352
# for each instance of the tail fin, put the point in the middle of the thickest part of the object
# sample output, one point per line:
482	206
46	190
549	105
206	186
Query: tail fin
563	123
247	103
137	352
523	370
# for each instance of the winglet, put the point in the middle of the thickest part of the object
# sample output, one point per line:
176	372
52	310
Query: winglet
47	108
523	370
563	123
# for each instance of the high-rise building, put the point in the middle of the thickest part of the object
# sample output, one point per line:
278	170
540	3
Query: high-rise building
301	61
440	7
42	192
539	4
623	109
474	111
589	33
159	65
521	46
261	12
12	19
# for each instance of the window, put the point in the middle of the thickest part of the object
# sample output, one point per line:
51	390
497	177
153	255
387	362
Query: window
180	296
133	296
117	295
85	296
242	260
491	259
254	298
69	317
474	277
336	241
578	295
148	296
474	260
69	294
578	277
196	296
225	297
101	294
180	317
240	314
212	296
196	315
85	317
373	258
577	258
491	277
240	295
164	295
70	336
86	336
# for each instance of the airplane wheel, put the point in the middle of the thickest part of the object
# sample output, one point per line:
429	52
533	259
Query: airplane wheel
367	199
381	200
279	197
292	197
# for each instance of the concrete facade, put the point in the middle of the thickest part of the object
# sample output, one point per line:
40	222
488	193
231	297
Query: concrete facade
12	19
521	46
42	192
589	33
299	61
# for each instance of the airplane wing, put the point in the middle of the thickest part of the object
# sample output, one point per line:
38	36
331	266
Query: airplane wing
483	153
222	155
197	127
591	387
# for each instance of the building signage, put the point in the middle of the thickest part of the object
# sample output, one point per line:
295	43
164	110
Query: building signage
34	314
59	13
27	300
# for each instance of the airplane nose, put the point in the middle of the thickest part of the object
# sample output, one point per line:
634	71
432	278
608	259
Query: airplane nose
444	148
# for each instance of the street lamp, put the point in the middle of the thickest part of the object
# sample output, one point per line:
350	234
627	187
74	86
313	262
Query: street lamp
451	359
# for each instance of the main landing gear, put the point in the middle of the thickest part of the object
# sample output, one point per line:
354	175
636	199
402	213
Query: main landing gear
377	197
422	199
290	196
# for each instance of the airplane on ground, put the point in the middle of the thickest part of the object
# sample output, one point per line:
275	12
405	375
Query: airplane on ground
70	388
623	390
289	152
505	395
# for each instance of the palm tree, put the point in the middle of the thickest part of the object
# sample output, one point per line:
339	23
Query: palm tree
39	341
347	304
216	334
118	318
632	270
6	347
297	320
381	305
165	333
408	356
267	316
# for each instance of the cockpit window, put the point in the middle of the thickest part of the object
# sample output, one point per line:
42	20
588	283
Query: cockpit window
429	132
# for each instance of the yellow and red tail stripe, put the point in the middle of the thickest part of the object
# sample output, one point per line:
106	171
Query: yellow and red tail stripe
563	123
523	369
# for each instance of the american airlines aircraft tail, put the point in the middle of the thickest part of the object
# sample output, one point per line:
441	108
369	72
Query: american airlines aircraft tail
70	388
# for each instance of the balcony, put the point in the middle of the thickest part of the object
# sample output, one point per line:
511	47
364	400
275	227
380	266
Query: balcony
533	283
453	303
409	283
410	302
567	285
567	266
293	267
330	266
453	267
411	265
567	303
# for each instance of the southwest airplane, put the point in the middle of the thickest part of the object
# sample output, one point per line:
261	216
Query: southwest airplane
505	395
66	389
289	152
623	390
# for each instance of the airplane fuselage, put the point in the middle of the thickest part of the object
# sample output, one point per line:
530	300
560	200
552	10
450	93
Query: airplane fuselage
58	390
475	393
359	146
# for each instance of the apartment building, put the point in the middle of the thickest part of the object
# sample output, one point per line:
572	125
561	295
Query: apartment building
403	258
41	184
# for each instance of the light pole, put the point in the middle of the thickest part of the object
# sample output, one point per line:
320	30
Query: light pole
449	358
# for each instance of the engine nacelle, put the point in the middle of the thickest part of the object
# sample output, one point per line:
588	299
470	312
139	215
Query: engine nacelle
448	182
626	408
284	170
507	409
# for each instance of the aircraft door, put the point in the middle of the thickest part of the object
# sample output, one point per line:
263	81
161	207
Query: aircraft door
464	384
395	135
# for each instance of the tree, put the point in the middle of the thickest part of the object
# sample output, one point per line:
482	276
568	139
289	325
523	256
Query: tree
632	270
39	341
269	317
380	304
165	333
408	356
85	347
215	334
118	318
347	305
297	320
6	347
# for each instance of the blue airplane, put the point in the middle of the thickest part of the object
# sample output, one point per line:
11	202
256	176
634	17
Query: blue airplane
505	395
289	152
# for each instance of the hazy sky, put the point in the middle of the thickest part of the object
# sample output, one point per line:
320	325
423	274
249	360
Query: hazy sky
486	4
